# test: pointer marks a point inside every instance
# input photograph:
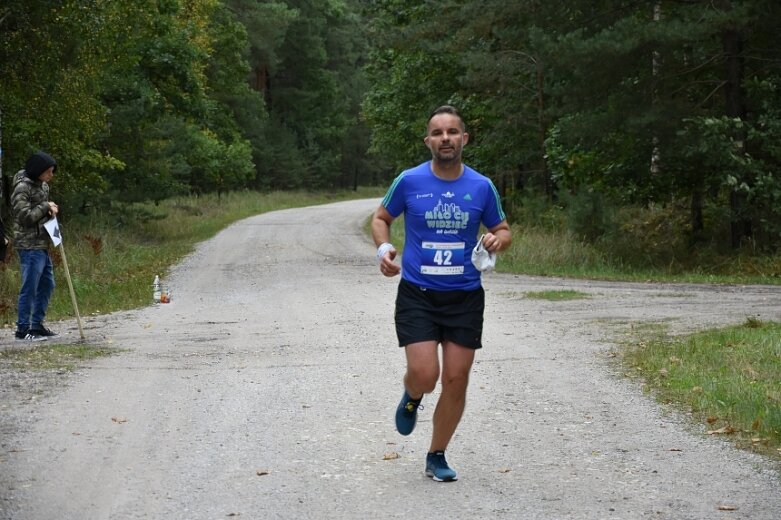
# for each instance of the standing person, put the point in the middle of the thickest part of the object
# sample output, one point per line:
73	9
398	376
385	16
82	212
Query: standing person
31	208
440	298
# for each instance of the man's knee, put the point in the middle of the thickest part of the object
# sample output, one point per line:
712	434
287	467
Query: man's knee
424	379
455	382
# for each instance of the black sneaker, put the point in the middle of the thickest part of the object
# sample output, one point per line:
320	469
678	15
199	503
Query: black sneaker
27	335
40	330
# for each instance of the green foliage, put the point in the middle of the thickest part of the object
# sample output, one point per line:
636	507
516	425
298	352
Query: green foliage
51	57
650	237
640	103
310	94
606	97
144	100
410	75
589	213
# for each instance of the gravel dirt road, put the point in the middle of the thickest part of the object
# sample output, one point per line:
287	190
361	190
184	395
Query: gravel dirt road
266	389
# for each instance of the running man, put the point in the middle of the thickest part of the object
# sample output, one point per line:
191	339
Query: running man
440	298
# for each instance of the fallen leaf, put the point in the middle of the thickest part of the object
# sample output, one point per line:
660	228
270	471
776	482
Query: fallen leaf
711	419
119	420
727	507
504	470
391	455
263	472
676	449
726	429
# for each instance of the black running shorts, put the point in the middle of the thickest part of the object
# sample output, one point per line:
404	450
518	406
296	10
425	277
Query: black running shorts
429	315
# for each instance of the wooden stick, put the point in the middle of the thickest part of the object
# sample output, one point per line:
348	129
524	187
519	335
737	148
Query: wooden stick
70	287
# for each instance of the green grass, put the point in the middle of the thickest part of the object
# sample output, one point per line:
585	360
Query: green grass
52	356
555	296
729	378
551	252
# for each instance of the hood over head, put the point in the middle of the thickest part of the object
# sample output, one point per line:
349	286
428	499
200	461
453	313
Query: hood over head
38	163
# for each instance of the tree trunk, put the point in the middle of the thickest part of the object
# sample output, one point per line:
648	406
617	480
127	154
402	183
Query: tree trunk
543	130
697	221
655	64
262	82
732	40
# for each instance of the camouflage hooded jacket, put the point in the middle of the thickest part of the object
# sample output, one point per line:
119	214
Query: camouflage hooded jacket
30	208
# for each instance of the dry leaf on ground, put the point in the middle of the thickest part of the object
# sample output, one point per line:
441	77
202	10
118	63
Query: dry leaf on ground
726	429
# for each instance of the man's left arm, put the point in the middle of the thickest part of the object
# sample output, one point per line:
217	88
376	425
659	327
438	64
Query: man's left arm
498	238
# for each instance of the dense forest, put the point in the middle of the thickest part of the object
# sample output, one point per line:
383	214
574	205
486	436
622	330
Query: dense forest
589	104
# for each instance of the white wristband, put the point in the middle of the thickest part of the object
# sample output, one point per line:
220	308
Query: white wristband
384	248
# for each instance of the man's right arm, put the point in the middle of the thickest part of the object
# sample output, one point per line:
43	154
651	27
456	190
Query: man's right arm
386	253
381	224
25	213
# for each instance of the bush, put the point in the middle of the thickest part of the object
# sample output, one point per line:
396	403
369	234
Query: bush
648	237
590	215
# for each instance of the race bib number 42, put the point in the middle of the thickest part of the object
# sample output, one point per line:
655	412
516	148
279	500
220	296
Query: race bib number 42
442	258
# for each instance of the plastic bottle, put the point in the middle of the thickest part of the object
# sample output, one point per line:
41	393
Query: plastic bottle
156	289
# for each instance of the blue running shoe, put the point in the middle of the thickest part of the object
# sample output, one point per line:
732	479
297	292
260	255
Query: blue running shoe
437	468
407	414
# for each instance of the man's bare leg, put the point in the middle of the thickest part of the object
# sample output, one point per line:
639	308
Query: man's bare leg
456	365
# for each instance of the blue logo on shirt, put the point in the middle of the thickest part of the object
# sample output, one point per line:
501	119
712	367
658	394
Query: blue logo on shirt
447	218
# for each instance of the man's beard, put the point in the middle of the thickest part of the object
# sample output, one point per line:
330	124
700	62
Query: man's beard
449	157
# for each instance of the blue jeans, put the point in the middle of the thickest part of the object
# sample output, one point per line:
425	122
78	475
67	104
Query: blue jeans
37	287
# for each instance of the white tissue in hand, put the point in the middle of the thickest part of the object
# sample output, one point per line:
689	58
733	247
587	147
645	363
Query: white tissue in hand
482	259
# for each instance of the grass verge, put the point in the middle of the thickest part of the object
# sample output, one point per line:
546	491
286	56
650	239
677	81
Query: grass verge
556	252
52	357
729	379
557	296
